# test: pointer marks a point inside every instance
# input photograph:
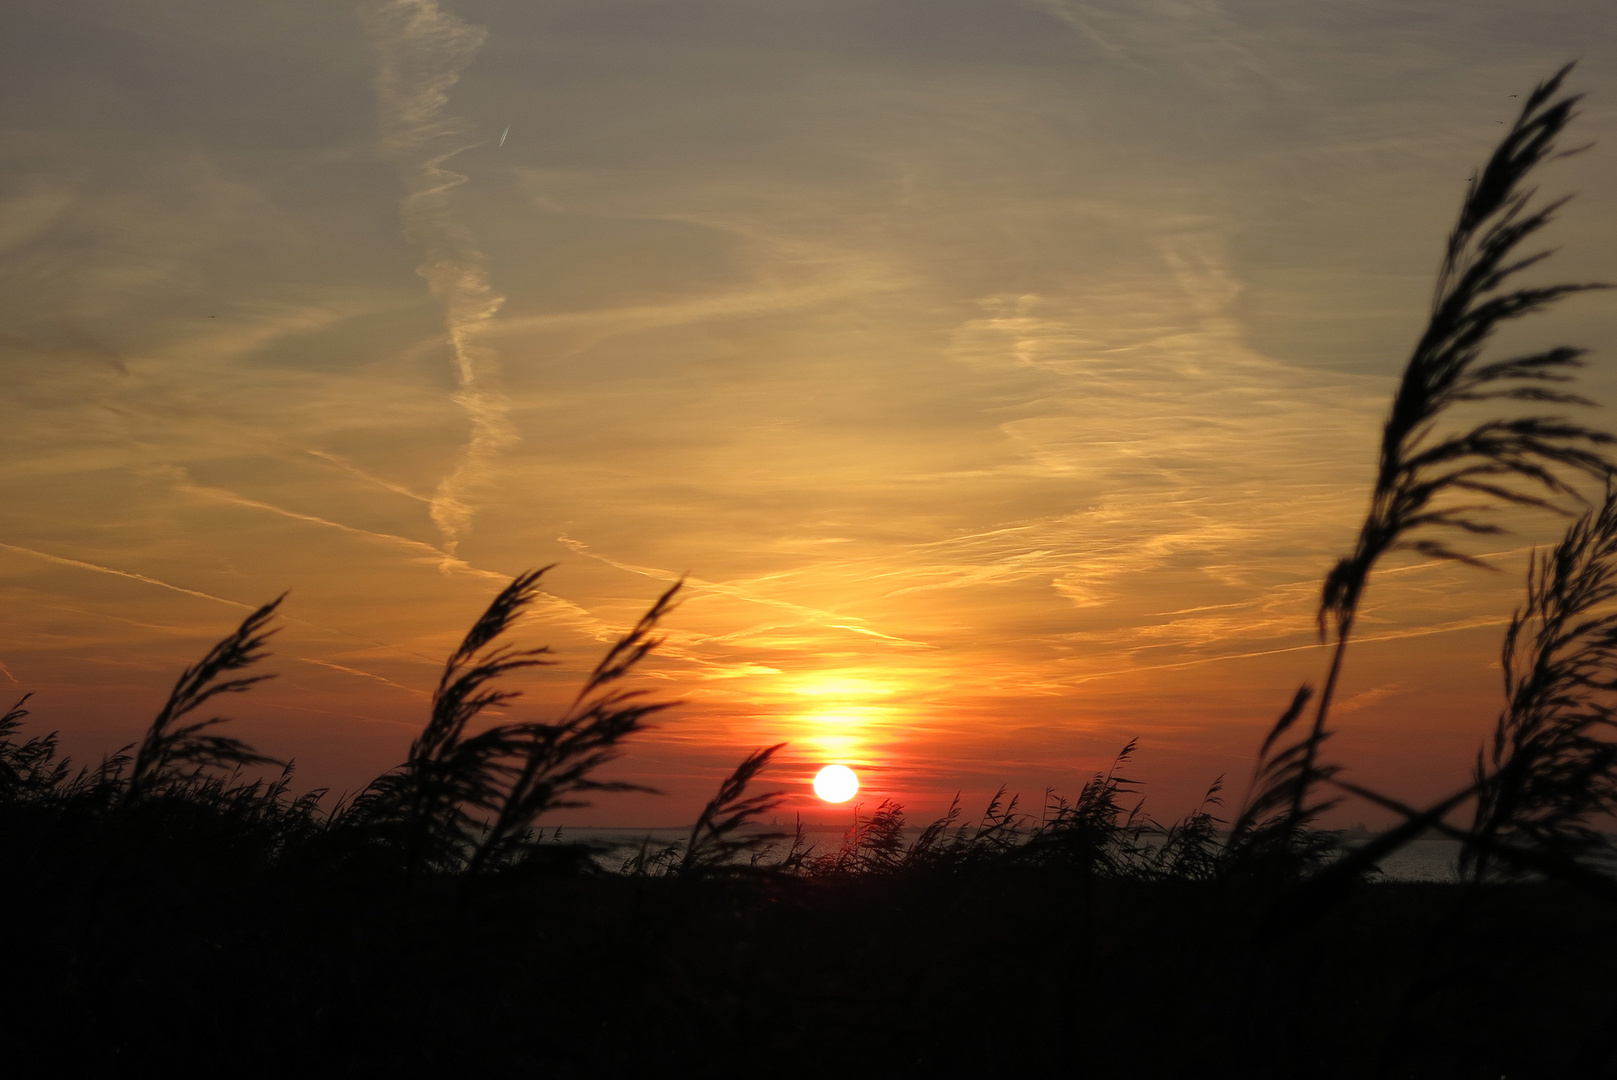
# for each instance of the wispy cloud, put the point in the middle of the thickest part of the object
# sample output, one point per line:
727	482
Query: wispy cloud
1371	697
442	557
1134	669
79	564
364	675
368	477
421	51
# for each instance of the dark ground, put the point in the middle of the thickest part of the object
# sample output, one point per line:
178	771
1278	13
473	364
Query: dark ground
127	954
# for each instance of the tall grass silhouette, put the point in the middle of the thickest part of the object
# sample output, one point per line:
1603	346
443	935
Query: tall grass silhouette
1431	484
170	746
469	800
1548	778
550	765
1094	833
1550	774
430	803
719	837
27	766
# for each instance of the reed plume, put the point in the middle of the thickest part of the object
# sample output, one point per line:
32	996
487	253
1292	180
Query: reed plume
546	766
431	802
874	845
935	845
1429	485
1552	767
27	767
998	835
1190	847
716	838
469	801
1000	829
1271	837
1094	834
167	747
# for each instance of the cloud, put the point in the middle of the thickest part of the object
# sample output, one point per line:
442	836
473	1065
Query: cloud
443	558
1373	696
79	564
25	217
364	674
421	51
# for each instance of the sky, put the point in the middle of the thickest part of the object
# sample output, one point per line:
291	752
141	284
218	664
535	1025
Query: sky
1000	376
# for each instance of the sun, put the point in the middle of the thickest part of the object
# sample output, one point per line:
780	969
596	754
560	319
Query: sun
836	783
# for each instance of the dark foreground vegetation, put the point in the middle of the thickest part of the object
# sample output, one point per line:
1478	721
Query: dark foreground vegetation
173	946
166	913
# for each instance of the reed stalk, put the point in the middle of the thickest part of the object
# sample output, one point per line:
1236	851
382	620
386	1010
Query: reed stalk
169	745
716	839
1430	484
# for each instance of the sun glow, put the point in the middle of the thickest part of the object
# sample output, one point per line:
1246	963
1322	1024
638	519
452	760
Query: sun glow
842	687
836	783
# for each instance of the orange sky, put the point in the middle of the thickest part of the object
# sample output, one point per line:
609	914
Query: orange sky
1002	375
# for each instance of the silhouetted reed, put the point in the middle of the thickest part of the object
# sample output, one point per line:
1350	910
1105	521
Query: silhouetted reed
170	750
1551	772
717	839
1420	471
430	806
27	767
1094	834
550	764
872	845
1192	848
469	801
652	860
1273	837
1000	830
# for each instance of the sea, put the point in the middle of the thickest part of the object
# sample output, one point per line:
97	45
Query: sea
1420	860
1423	860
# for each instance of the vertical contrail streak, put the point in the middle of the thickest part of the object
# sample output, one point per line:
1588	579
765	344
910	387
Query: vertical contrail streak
421	51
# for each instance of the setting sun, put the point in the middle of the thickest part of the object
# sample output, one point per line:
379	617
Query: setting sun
836	783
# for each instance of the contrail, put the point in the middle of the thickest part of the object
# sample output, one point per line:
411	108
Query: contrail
420	52
446	561
564	612
354	470
696	584
365	674
1067	13
60	560
1392	635
77	564
504	133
